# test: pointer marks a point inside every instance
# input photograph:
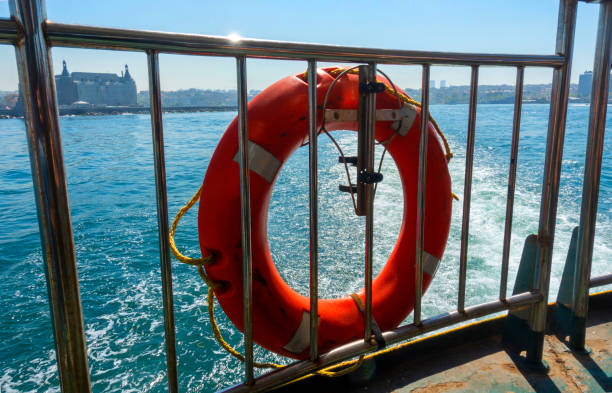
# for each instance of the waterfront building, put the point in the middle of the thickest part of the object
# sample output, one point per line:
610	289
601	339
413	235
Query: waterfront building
99	89
442	84
585	82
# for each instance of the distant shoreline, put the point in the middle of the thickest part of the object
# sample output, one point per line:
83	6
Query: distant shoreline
106	111
119	110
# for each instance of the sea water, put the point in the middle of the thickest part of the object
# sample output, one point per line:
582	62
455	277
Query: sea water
109	166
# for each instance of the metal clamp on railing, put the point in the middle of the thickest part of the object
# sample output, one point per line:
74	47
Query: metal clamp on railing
369	177
348	159
371	87
352	189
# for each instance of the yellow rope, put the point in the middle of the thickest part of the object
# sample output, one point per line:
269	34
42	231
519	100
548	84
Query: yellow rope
199	262
219	337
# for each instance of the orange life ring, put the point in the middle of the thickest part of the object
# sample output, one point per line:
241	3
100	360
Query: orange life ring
278	125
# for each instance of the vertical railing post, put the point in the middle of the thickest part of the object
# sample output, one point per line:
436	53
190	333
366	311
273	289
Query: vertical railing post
551	177
467	188
516	127
314	208
51	194
365	166
368	161
420	216
592	172
162	217
245	215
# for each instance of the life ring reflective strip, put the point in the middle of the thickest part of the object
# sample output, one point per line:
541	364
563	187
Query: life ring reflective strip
278	125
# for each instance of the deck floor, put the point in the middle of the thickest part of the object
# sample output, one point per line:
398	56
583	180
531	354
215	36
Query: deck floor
495	370
481	363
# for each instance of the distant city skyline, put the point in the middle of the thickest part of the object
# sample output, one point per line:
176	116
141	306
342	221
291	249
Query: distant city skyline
79	92
476	26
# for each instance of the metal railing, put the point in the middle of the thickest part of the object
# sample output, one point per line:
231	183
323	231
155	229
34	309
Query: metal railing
582	280
593	157
33	35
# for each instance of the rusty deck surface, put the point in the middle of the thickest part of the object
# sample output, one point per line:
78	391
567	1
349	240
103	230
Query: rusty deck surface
473	359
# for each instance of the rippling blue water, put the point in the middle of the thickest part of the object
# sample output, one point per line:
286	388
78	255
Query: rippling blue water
111	184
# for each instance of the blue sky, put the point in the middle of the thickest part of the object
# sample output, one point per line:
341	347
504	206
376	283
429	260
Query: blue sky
462	26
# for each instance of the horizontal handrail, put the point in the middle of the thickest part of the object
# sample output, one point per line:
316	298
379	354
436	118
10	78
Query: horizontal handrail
360	347
60	34
600	280
101	37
